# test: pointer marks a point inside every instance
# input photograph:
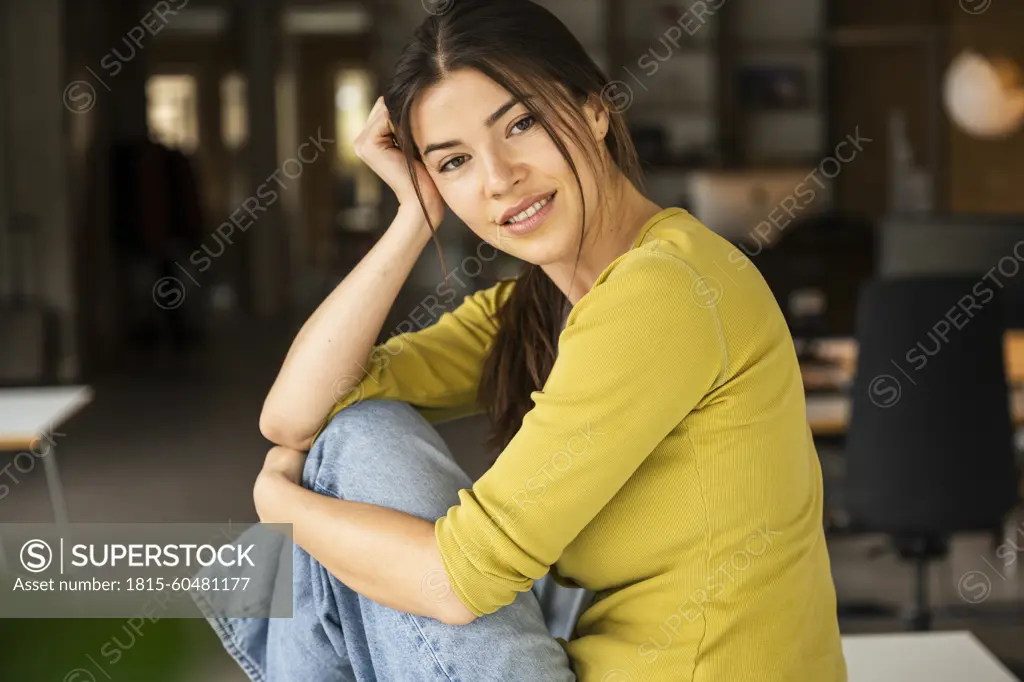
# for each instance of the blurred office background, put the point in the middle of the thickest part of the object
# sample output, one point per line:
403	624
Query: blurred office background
838	143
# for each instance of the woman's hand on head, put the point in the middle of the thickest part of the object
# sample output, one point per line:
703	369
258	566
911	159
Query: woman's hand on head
376	147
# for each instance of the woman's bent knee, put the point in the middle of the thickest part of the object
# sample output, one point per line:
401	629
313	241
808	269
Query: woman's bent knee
383	452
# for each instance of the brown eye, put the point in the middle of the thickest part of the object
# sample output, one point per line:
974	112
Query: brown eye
523	124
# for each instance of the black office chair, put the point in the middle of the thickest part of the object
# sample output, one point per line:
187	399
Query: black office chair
929	447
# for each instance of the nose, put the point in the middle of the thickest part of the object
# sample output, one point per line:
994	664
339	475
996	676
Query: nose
502	173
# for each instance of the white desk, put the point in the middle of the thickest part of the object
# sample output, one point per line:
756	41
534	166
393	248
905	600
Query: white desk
924	656
26	414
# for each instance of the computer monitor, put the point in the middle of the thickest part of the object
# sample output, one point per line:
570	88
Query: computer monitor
740	205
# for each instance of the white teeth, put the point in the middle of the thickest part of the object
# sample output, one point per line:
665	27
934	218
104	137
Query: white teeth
528	212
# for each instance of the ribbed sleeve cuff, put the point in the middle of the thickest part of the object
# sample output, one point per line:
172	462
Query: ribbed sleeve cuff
462	574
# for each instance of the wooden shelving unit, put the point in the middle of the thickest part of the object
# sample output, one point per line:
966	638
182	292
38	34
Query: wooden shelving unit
687	83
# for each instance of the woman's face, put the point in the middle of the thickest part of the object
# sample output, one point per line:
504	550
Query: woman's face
497	169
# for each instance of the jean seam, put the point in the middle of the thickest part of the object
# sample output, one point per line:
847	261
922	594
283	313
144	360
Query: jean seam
426	643
325	490
247	663
227	636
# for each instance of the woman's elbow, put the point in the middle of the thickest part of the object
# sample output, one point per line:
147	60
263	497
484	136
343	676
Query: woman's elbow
449	608
282	432
456	613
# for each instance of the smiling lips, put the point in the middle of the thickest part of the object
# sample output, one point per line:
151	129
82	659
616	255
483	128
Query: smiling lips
525	217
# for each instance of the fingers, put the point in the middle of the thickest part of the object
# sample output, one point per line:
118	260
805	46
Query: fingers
377	112
377	134
379	115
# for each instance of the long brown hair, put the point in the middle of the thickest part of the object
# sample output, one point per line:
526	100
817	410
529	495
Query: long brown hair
526	50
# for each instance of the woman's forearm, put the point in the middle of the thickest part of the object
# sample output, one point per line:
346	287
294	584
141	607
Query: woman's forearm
385	555
329	352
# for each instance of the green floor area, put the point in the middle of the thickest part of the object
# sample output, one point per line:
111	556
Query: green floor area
169	650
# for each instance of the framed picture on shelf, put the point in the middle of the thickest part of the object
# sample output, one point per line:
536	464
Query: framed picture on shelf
774	87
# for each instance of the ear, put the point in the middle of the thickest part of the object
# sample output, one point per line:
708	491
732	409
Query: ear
596	114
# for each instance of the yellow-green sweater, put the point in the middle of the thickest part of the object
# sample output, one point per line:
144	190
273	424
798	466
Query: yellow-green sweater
666	464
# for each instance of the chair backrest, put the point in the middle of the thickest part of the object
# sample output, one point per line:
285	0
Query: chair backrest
929	447
918	245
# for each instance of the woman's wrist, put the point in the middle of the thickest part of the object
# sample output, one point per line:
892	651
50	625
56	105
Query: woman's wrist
267	495
410	220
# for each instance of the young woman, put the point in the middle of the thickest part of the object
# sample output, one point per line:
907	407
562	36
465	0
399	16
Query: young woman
641	383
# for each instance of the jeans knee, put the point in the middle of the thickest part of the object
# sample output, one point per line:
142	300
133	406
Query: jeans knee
384	452
349	431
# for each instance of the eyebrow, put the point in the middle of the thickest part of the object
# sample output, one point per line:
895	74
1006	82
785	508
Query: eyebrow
489	122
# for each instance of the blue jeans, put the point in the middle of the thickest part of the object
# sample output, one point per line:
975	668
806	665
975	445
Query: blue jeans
383	452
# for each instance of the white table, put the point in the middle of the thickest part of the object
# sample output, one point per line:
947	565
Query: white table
924	656
26	414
